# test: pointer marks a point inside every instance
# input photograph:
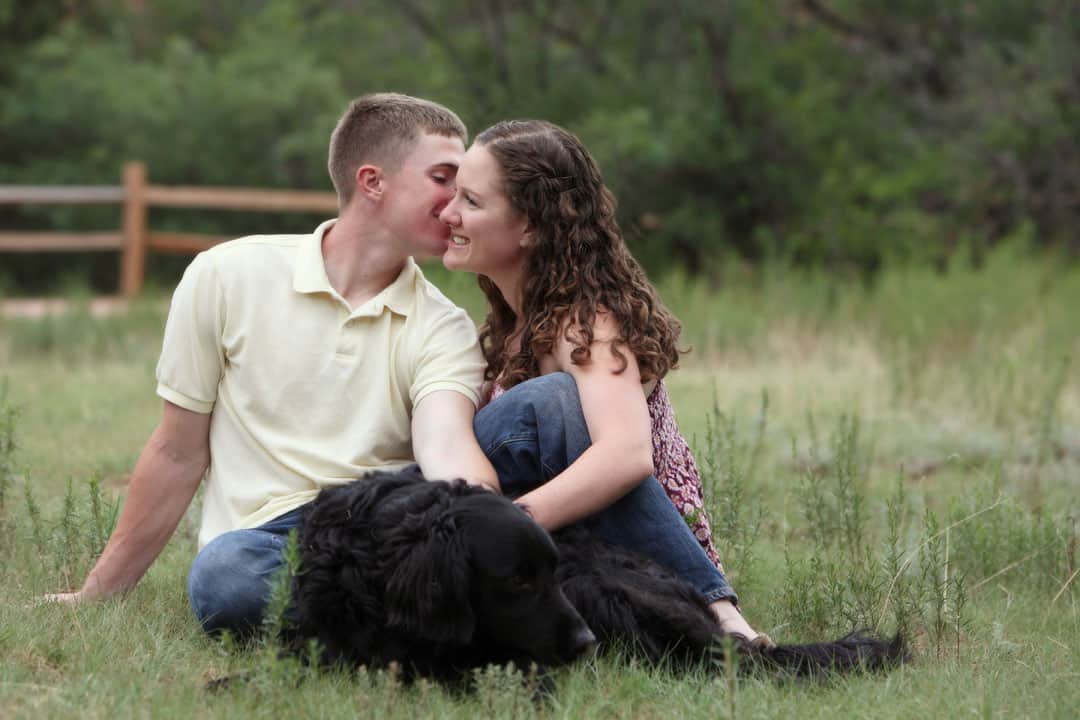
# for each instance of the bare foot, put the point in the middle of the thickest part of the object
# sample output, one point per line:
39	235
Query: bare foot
732	622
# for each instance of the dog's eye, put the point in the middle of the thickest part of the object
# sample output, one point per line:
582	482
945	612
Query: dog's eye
520	583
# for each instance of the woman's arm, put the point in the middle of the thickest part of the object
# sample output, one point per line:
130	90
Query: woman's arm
617	416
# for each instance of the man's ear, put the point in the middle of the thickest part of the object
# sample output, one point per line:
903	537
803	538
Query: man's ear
369	182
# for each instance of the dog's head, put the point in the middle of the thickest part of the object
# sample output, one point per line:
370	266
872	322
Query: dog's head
465	566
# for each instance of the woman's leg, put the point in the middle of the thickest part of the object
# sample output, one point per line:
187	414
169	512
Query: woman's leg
536	430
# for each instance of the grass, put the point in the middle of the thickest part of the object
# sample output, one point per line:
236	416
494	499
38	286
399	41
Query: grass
904	454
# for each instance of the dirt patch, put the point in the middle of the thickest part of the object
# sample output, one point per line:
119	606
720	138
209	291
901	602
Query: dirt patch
42	307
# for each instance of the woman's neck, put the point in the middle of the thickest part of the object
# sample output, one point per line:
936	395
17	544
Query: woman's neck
510	287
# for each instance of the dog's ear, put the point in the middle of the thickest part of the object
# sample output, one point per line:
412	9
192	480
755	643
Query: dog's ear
427	588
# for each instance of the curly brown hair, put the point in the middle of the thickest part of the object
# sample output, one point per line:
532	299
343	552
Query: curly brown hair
577	264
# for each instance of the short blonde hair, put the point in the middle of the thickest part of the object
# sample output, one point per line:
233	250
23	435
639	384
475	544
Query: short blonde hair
381	129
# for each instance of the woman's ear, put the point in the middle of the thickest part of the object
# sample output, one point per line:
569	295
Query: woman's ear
527	237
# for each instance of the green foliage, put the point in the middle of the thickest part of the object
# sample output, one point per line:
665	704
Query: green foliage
726	466
833	496
911	510
281	588
827	133
900	595
1011	538
8	417
78	336
68	543
504	691
839	586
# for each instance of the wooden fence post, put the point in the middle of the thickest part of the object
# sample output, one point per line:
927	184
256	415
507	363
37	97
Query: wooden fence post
133	257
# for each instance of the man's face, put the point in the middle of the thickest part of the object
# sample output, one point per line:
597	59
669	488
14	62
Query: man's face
418	191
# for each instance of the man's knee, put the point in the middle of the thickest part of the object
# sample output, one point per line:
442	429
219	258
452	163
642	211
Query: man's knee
229	582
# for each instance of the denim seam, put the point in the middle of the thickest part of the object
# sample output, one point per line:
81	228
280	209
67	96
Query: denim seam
512	440
545	469
721	593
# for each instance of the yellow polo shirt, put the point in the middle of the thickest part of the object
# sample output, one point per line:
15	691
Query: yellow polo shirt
305	391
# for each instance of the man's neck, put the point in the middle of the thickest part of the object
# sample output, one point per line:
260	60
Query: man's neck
360	263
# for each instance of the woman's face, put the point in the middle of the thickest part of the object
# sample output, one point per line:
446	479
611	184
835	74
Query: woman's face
487	235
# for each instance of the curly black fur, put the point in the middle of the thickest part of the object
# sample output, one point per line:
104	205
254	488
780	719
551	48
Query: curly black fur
441	577
436	577
629	600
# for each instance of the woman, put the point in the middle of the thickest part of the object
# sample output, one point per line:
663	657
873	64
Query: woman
577	344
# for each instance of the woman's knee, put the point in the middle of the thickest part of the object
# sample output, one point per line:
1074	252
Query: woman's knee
550	396
557	386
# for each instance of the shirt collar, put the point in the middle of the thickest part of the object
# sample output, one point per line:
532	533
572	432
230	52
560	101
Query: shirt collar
309	273
309	276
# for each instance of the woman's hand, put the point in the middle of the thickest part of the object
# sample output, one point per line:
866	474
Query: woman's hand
617	417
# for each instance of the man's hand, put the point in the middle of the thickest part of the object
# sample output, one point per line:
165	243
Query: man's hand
444	443
69	598
164	481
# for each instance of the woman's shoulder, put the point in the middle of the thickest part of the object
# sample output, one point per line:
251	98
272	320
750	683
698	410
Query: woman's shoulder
571	338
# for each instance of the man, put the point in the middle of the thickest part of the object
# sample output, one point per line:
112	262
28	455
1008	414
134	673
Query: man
292	362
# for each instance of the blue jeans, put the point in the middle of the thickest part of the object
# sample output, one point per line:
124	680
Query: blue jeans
230	579
530	434
536	430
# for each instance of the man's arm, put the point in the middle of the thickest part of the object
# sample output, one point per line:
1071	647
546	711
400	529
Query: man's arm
444	442
164	481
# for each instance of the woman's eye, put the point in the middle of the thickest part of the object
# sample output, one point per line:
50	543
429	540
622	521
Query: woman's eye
470	200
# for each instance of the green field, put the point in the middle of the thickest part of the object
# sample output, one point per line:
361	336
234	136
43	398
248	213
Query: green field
905	453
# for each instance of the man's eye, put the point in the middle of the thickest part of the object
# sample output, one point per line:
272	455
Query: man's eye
469	199
441	179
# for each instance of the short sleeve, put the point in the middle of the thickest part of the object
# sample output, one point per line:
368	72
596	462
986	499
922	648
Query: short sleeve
192	355
449	358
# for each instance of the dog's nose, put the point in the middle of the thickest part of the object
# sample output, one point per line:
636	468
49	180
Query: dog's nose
583	641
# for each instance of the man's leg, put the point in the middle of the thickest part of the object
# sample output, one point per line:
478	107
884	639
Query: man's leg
230	580
536	430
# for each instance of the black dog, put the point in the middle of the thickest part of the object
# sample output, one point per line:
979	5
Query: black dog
443	577
631	601
437	577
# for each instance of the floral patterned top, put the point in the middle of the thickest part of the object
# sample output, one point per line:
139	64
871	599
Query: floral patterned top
675	467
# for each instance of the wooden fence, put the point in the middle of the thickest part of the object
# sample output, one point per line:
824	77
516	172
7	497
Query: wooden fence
136	196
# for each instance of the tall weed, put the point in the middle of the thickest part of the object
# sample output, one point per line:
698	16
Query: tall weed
8	417
727	467
833	489
1010	543
66	542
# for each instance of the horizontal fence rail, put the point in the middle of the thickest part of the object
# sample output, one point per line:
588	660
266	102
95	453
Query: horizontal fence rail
136	196
67	195
240	199
60	241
